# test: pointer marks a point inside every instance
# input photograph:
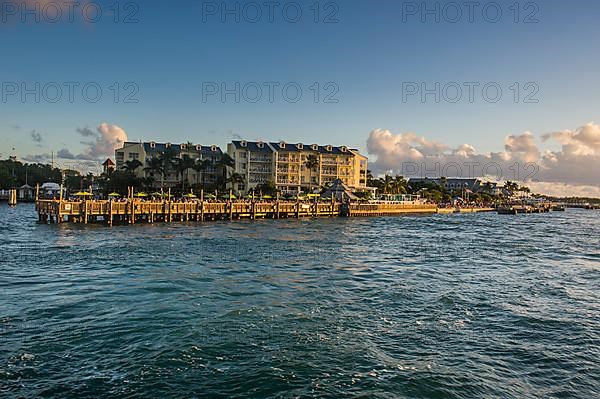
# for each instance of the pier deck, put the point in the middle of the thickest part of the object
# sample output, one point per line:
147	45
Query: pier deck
137	211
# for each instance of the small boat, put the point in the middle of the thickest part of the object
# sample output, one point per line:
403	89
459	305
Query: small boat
507	210
558	208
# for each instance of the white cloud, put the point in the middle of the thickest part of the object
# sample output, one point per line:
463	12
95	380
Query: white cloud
575	165
107	138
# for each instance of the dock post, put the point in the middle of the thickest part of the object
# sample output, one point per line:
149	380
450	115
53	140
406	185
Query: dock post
297	207
202	205
132	206
253	207
169	205
277	206
230	205
59	207
37	196
110	213
12	197
332	205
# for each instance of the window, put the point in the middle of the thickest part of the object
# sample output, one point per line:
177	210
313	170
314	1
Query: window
213	148
260	144
329	148
244	143
183	146
300	146
315	147
282	144
344	149
198	147
168	145
152	144
134	155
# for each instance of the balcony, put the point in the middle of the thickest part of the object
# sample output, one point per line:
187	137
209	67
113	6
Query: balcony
260	170
260	159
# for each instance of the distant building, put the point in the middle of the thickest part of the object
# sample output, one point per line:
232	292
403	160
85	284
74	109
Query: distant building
285	165
26	193
144	152
450	183
108	165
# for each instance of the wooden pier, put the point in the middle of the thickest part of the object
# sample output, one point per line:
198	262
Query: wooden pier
133	211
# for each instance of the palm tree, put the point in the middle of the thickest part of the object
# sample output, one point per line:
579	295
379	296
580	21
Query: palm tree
156	165
312	162
166	158
226	162
370	179
132	166
400	185
181	165
201	166
387	183
235	179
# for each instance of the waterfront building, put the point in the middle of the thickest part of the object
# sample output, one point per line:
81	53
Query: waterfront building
294	168
205	170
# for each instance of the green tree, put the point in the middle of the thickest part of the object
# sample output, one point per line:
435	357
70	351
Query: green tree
400	185
225	163
131	166
387	184
234	179
201	166
181	166
311	163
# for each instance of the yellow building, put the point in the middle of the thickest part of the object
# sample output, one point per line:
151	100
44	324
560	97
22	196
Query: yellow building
297	167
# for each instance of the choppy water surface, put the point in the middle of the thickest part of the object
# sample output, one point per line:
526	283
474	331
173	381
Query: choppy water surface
454	306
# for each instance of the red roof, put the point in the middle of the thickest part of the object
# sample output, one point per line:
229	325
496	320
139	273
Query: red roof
108	162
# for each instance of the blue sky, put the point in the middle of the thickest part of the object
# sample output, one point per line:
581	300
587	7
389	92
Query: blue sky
368	55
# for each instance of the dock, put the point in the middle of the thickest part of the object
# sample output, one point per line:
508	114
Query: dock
134	211
516	209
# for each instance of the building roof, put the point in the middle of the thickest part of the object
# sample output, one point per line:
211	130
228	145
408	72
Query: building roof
321	149
161	147
108	162
252	146
292	147
339	190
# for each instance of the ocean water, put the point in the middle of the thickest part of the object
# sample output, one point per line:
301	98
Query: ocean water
445	306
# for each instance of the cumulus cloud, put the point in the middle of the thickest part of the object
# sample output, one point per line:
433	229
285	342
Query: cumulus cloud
523	146
104	141
101	144
65	154
522	159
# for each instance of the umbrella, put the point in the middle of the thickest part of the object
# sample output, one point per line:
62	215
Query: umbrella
226	196
114	195
190	195
141	195
313	195
267	196
210	196
82	194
